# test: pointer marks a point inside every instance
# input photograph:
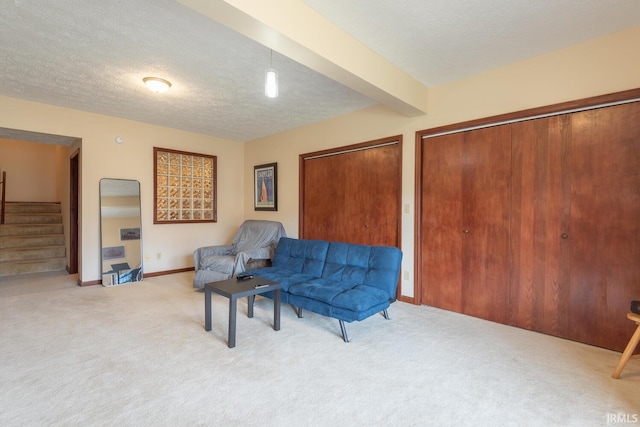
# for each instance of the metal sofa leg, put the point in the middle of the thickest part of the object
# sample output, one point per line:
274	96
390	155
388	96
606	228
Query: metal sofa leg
344	331
385	314
298	311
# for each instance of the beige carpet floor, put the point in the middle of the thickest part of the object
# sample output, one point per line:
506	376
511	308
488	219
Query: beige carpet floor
138	355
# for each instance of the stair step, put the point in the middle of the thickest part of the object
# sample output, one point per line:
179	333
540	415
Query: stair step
38	218
32	207
7	242
30	229
33	266
19	254
32	239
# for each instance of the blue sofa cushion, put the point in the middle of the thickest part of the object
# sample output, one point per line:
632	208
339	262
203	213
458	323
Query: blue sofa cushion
301	256
374	266
360	298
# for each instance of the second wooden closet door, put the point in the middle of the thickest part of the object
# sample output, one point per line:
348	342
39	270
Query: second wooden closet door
605	224
536	224
465	222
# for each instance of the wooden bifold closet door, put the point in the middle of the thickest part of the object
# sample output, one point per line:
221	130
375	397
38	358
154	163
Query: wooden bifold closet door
575	223
605	224
536	224
353	194
465	222
540	220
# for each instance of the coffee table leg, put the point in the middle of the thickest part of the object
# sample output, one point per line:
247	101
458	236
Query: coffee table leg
232	321
250	301
276	310
207	309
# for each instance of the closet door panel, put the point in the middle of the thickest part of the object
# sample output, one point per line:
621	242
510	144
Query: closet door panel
384	203
539	220
486	190
441	222
371	211
605	224
465	222
323	196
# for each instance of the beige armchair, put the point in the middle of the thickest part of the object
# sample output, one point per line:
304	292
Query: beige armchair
252	247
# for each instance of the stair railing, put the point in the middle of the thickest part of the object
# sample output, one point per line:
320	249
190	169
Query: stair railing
2	201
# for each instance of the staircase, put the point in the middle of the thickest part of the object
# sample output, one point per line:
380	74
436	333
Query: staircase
32	239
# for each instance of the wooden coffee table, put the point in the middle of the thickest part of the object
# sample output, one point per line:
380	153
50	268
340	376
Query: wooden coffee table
234	289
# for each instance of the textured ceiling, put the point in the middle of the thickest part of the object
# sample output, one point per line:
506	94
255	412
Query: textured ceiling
440	41
92	55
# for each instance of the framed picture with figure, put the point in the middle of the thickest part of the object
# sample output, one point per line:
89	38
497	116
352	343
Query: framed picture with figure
265	184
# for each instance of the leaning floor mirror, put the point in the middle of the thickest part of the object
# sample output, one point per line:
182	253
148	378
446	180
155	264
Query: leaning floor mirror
120	231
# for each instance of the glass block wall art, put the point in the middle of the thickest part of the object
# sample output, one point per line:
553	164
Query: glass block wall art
185	187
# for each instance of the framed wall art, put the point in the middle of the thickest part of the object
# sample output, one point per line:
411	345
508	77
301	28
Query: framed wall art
184	187
265	184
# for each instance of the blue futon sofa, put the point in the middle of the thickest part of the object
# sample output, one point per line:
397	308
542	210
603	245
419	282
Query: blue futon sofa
345	281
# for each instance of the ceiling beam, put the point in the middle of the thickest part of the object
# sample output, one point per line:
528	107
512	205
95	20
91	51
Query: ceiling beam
295	30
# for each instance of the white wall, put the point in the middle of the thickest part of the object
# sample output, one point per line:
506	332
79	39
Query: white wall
32	171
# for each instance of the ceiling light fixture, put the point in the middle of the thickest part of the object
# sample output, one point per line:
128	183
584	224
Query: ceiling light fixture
156	84
271	80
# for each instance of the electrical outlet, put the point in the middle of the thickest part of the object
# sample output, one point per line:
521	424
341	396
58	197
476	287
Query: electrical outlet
159	255
407	208
406	275
147	258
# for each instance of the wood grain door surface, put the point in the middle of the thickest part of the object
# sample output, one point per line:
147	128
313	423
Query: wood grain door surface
605	224
536	224
540	217
354	196
465	222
